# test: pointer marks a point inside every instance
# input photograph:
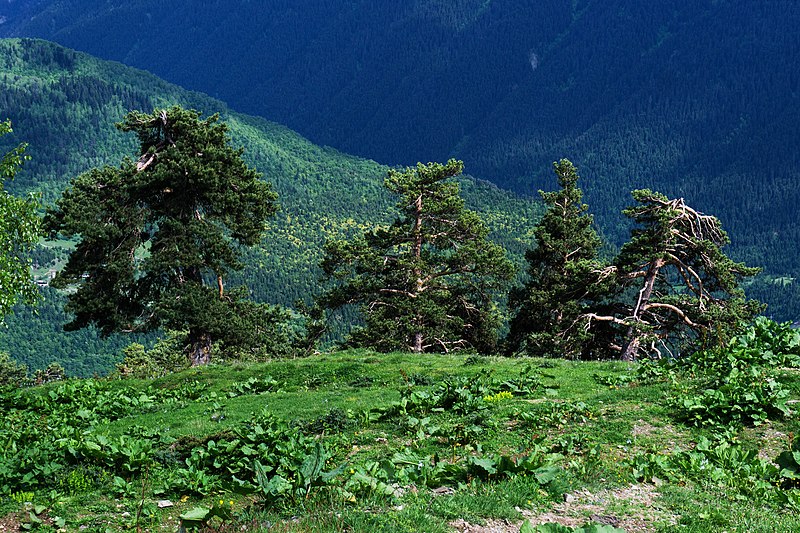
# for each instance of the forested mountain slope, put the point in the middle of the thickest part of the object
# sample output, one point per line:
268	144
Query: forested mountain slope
694	98
65	103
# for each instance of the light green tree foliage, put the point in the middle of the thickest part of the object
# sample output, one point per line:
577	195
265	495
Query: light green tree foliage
425	283
158	235
19	232
562	275
12	373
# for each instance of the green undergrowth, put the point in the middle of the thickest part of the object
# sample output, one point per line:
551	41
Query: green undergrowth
362	441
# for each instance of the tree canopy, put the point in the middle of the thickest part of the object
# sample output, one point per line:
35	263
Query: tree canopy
561	277
19	232
159	234
674	288
427	281
671	288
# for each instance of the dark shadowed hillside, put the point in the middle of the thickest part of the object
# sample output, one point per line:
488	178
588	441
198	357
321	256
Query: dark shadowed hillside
694	98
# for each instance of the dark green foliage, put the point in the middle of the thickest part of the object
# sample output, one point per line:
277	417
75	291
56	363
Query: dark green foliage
165	356
155	231
562	275
427	281
789	463
675	289
738	384
35	337
769	343
12	373
736	396
670	289
53	372
721	463
19	232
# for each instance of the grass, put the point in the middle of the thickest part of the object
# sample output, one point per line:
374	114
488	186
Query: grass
589	429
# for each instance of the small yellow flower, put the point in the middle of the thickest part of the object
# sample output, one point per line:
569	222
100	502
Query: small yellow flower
184	499
222	502
352	471
231	502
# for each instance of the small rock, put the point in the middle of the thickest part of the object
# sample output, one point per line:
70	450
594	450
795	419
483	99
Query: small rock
164	503
443	490
569	498
126	514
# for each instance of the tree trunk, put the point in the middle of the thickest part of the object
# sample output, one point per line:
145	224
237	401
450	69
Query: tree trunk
631	346
633	337
417	342
417	348
199	348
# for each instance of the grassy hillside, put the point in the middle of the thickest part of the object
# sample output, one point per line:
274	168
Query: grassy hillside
361	441
65	104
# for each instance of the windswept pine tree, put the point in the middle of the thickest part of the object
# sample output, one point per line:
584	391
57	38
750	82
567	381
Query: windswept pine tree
675	287
158	235
427	282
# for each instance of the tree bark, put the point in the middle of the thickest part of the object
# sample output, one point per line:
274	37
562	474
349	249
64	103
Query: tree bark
417	342
633	337
199	348
417	348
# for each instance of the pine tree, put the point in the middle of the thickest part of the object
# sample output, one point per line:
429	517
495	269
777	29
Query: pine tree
562	275
158	235
676	288
426	282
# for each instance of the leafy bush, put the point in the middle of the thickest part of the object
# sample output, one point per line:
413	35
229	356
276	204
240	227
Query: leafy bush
720	464
556	414
737	384
747	396
165	357
770	343
789	463
53	372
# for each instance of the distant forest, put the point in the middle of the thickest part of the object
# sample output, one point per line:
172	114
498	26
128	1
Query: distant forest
694	99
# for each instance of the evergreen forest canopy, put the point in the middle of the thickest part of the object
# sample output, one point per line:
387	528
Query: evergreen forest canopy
695	99
154	233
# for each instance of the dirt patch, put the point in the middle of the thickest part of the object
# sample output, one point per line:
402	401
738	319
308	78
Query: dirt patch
770	442
631	509
10	522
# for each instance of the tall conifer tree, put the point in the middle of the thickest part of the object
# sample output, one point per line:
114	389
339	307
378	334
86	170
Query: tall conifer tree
562	275
676	288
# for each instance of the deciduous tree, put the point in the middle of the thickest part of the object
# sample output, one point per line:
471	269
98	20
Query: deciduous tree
19	233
